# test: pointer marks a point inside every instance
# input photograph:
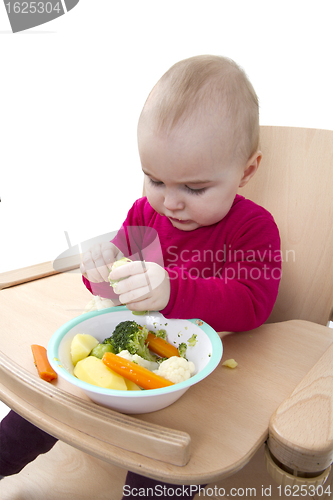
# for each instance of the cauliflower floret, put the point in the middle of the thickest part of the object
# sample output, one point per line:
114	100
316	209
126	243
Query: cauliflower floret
150	365
176	369
116	264
97	303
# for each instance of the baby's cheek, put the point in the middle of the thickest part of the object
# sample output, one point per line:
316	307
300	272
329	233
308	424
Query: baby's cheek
156	201
150	196
199	212
208	215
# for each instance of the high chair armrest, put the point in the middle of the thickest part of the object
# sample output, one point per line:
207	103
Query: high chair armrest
301	429
37	271
85	419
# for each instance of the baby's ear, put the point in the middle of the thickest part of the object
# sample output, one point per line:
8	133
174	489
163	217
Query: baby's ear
251	168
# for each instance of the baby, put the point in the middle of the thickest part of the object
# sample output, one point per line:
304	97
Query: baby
219	259
198	248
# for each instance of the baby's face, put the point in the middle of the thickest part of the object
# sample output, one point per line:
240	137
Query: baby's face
189	176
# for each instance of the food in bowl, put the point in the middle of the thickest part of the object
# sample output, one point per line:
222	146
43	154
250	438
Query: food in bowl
81	346
131	354
205	355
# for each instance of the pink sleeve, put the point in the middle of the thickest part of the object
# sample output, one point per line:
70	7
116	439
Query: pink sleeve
102	289
241	294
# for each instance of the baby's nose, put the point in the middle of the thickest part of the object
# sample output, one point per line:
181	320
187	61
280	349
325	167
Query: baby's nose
172	201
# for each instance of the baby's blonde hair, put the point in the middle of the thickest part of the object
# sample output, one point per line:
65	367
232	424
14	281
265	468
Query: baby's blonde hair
209	82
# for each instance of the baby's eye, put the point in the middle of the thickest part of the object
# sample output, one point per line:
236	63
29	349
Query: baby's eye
195	191
155	183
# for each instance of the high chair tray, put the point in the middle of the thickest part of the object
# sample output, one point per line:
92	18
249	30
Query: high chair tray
208	434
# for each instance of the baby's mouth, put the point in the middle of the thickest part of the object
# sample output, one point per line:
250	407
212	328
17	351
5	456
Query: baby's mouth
180	220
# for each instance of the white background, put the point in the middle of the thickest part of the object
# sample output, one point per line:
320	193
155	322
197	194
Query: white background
71	92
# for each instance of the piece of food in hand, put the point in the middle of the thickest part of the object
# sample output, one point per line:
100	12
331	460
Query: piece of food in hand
116	264
81	346
93	371
176	369
161	346
132	371
45	370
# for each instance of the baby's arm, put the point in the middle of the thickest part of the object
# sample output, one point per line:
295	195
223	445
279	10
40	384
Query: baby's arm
240	293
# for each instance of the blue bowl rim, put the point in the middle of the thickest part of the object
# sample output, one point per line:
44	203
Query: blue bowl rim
54	343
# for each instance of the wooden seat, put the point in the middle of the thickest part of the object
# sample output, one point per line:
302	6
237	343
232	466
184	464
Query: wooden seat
294	182
224	421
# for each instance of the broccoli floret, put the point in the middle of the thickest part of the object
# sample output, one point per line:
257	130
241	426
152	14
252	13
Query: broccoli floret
161	333
182	349
100	349
129	336
192	340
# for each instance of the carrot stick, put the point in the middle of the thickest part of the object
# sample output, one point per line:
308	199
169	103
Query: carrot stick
134	372
45	371
161	347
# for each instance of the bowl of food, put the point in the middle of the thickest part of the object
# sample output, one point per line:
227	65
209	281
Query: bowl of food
134	363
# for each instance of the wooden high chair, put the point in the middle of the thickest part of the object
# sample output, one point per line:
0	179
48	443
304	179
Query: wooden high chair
281	389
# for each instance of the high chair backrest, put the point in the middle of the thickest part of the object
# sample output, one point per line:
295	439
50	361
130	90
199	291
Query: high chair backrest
295	183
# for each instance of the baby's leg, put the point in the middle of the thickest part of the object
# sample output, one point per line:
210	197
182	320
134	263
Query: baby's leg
20	443
138	486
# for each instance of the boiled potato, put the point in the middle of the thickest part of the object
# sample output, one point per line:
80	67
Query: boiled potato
131	386
93	371
81	346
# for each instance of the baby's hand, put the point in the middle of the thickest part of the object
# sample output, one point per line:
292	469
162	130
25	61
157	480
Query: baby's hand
144	286
97	262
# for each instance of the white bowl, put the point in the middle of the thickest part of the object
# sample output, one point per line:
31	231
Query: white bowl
206	355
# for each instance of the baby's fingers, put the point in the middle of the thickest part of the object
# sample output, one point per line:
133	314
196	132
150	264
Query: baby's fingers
88	268
131	284
134	295
109	251
131	269
93	266
98	255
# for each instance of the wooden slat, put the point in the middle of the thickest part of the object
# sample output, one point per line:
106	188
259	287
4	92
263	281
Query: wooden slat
151	440
30	273
289	183
301	429
18	276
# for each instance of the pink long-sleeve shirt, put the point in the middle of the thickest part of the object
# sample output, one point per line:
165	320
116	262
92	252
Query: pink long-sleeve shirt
226	274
